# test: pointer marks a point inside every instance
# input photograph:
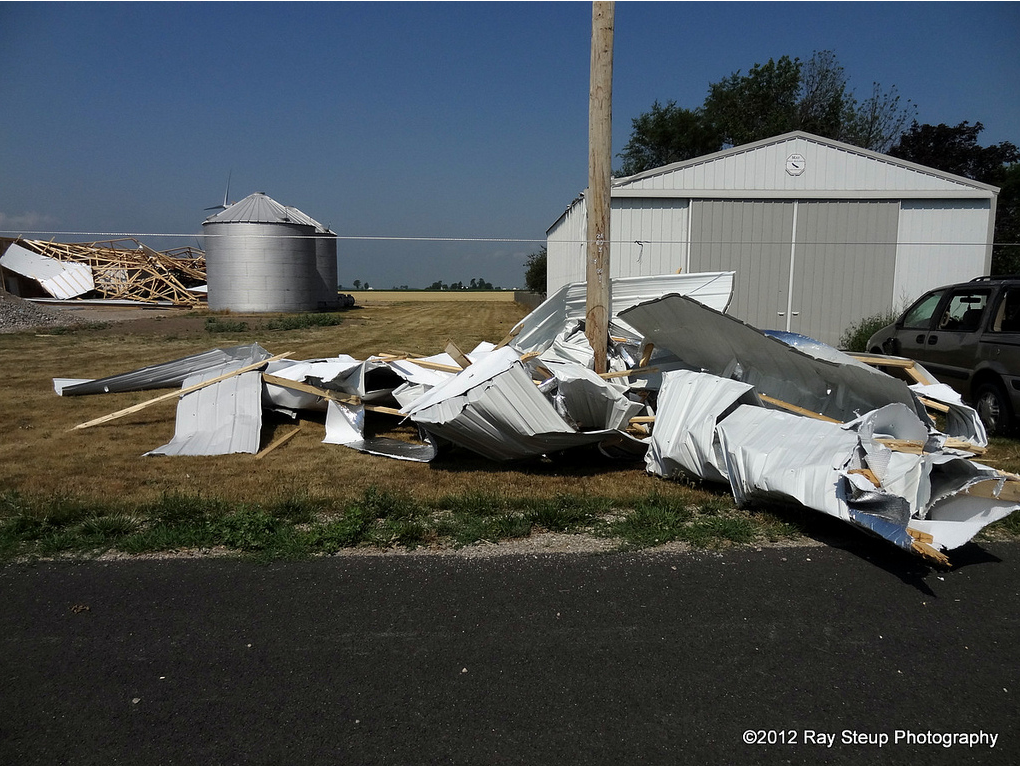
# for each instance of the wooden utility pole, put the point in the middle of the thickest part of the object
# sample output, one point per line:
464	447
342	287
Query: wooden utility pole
600	150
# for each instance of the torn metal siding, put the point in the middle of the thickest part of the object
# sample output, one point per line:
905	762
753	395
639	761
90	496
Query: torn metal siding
166	375
220	419
823	466
345	425
588	402
684	440
495	409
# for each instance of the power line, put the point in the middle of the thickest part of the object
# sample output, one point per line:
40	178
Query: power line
522	240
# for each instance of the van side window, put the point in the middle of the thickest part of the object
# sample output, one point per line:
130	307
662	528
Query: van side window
1007	317
918	317
964	311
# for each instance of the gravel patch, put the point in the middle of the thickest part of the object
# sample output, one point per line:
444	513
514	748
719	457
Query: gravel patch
18	315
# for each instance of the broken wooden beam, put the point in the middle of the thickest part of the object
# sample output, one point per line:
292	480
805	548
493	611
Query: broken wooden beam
182	392
278	443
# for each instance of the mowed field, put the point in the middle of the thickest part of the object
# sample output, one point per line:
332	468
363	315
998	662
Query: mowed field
365	297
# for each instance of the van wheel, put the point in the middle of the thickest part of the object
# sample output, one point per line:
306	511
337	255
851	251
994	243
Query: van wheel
994	409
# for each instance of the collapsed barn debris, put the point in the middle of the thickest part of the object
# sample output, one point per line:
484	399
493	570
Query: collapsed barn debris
121	269
695	393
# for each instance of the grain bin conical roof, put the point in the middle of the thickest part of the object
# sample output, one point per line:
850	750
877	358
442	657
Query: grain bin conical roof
259	208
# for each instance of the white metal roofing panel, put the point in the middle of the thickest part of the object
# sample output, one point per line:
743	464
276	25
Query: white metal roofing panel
60	279
220	419
831	167
588	402
495	409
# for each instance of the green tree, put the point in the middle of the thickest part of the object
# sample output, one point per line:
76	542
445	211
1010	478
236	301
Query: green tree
665	135
1006	251
772	98
535	271
955	149
760	104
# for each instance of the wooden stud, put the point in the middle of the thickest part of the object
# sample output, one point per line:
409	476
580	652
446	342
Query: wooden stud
279	442
628	373
646	354
458	356
325	393
797	409
868	474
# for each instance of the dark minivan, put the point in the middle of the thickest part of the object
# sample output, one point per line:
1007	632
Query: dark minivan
968	336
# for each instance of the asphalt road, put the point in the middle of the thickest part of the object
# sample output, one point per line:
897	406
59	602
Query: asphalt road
554	659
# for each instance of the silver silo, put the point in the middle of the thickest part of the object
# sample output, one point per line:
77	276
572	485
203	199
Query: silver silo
325	260
261	256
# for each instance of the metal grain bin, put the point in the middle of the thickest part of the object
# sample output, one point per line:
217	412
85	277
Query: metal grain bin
261	257
325	260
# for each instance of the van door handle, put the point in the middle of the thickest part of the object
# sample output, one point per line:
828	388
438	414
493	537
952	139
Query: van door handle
933	339
919	339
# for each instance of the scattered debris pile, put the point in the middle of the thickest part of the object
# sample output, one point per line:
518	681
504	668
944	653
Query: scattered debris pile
120	269
692	391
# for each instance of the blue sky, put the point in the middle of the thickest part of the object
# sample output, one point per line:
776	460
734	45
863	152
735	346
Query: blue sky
456	121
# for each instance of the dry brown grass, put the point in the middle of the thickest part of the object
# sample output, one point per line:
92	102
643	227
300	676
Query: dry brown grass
39	455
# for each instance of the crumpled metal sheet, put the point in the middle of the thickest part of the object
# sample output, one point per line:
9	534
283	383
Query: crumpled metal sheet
588	402
312	371
220	419
783	457
684	440
165	375
495	409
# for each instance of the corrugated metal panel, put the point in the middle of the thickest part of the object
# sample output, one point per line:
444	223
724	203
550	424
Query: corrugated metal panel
741	352
220	419
843	266
751	238
167	374
538	328
494	408
939	242
689	405
565	247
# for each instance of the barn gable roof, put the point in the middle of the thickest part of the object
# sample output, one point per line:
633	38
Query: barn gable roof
830	168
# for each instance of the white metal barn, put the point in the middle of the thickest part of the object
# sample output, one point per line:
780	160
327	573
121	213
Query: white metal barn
819	233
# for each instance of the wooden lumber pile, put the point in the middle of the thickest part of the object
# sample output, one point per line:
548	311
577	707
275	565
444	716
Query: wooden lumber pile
127	269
